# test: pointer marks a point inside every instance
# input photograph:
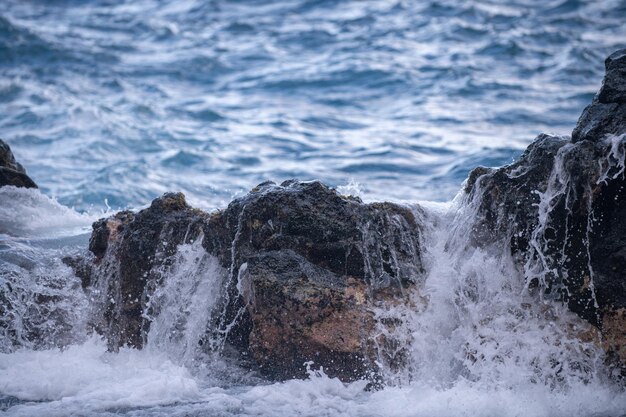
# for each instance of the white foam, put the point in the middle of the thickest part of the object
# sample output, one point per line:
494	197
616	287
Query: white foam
86	380
29	213
86	377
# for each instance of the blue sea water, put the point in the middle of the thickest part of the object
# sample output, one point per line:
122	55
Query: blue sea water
109	101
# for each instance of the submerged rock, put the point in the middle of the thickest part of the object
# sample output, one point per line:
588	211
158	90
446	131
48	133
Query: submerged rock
561	208
11	171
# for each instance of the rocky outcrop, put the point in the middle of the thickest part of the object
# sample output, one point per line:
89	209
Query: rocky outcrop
11	171
129	253
561	208
305	268
307	265
607	113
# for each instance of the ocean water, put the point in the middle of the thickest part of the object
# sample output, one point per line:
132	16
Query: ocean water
108	104
124	100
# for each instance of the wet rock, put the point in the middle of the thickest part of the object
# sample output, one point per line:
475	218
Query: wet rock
614	332
506	198
307	266
11	171
299	313
337	233
561	208
130	250
607	113
613	88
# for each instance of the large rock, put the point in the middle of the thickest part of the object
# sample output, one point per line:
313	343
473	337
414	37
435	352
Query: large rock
607	113
11	171
307	266
561	210
129	252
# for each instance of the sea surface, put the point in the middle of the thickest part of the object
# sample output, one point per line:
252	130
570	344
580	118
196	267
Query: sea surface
110	103
115	102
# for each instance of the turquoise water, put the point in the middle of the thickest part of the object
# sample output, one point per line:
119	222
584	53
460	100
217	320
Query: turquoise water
120	101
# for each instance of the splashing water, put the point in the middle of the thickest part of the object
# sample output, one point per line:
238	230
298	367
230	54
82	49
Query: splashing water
39	215
180	309
126	101
474	342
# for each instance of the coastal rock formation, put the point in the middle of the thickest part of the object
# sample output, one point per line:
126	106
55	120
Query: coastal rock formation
11	171
305	266
561	209
607	113
129	252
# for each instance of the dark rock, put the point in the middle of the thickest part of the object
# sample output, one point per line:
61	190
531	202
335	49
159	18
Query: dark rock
332	231
311	264
12	172
613	88
305	267
129	250
561	208
506	198
82	268
7	160
599	119
607	113
106	230
555	214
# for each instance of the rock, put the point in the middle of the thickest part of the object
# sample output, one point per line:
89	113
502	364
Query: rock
607	113
613	88
299	313
11	171
561	208
614	332
129	250
506	197
307	266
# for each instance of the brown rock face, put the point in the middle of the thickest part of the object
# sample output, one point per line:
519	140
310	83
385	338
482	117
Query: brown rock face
129	250
614	332
299	321
307	266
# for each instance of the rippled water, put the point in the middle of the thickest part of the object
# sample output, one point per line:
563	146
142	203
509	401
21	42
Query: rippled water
123	100
109	103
